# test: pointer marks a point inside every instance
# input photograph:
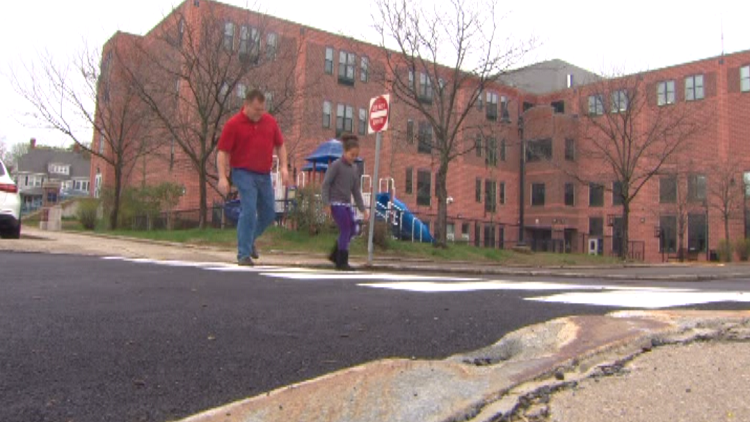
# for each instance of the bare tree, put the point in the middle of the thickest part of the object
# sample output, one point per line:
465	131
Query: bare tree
84	94
725	192
623	127
466	35
199	70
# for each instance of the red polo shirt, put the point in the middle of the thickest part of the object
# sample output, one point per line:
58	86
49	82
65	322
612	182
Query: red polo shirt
250	144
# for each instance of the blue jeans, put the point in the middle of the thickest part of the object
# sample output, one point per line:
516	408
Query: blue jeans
258	211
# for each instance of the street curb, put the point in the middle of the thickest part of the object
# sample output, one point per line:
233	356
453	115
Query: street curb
460	267
487	385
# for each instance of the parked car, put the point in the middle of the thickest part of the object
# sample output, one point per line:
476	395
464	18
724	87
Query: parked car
10	206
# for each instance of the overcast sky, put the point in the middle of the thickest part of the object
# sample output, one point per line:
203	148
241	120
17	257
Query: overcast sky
597	35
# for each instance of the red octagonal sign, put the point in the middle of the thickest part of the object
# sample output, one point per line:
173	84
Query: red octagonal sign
379	113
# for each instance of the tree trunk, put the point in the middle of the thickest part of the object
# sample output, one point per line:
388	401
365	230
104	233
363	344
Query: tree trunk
441	225
202	182
726	226
115	214
625	246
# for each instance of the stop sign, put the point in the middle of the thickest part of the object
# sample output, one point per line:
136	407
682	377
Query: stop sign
379	113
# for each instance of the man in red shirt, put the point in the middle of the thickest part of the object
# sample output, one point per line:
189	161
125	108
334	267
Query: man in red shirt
246	146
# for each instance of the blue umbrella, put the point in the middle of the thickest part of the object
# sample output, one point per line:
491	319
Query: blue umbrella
327	152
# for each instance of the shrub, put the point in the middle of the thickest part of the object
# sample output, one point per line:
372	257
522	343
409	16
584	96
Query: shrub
742	248
382	236
148	201
725	251
87	213
308	213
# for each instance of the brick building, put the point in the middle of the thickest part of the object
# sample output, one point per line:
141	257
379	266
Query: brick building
334	77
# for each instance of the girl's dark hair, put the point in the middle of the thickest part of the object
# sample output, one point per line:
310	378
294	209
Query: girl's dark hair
350	141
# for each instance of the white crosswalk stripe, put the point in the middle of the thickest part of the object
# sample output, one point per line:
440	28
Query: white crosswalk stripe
614	296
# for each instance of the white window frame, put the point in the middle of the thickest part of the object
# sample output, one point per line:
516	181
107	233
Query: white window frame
329	55
272	45
327	112
364	71
619	101
228	41
693	90
666	93
745	78
596	105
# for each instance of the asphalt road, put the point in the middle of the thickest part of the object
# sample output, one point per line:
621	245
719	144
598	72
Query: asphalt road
86	339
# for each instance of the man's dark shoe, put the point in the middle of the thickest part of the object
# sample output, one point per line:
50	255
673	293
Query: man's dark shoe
246	262
254	254
333	257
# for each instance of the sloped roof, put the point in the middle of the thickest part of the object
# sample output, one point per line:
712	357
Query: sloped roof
38	161
548	77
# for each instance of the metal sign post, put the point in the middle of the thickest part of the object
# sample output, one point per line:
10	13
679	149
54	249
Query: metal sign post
379	117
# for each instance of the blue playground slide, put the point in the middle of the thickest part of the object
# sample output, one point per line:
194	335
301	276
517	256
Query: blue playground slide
421	231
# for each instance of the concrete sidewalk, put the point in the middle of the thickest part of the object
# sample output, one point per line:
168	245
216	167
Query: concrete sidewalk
105	245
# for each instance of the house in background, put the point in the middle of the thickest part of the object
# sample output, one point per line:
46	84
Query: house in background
41	164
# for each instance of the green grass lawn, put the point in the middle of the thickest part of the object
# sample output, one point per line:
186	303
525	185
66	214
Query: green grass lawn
279	239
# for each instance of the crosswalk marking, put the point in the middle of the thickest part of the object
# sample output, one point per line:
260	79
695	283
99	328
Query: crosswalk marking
644	299
603	295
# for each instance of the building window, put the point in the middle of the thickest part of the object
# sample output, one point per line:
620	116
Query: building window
272	46
696	188
269	102
596	105
478	145
570	149
171	154
344	119
478	191
696	232
694	89
347	63
504	109
538	193
229	36
559	107
492	100
490	196
329	61
326	114
180	32
249	44
539	150
425	88
596	195
409	180
617	194
666	93
489	235
745	79
527	106
425	138
596	227
364	71
101	144
424	188
503	150
480	101
570	195
410	132
668	234
491	158
668	190
501	196
241	93
362	121
619	101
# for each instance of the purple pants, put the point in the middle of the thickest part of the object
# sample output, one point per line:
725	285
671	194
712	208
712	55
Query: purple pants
343	215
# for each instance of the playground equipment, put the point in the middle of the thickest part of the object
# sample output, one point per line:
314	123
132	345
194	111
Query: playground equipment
405	225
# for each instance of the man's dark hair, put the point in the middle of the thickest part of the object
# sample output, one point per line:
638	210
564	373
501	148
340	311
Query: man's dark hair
350	141
255	94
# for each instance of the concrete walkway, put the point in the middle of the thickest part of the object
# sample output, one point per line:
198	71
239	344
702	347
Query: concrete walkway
100	245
